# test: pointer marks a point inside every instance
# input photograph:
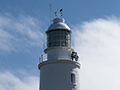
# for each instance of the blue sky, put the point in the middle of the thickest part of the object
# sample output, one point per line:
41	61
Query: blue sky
95	25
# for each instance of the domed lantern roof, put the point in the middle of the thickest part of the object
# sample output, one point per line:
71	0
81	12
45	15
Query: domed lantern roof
58	23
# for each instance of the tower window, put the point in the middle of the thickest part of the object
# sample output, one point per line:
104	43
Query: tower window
72	78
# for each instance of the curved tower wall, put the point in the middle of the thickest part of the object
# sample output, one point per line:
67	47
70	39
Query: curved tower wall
59	54
56	75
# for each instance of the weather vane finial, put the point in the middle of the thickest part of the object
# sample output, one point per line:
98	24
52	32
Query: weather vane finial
59	13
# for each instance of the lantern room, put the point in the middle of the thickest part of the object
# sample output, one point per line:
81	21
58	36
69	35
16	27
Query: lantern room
58	34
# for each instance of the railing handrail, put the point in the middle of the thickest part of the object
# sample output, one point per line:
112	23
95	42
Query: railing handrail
42	58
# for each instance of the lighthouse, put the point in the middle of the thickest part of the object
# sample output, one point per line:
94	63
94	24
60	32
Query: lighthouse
60	70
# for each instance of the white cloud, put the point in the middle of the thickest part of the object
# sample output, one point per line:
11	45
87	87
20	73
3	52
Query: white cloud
9	81
98	44
19	32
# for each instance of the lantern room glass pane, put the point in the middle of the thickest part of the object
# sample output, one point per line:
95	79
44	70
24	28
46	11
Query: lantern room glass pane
59	38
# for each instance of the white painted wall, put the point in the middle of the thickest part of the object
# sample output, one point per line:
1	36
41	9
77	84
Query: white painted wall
56	75
59	54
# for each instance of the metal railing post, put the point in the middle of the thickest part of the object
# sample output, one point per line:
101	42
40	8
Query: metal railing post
39	59
42	57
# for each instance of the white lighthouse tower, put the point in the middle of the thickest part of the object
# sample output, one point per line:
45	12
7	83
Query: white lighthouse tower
59	71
